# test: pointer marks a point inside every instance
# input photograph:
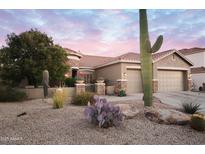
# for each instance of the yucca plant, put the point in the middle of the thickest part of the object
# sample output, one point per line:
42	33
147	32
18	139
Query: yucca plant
190	108
58	98
198	122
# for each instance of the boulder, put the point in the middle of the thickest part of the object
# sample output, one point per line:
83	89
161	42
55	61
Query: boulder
128	110
167	116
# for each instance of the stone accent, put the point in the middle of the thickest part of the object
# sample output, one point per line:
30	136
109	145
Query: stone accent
167	116
100	88
154	85
189	85
129	111
80	88
121	85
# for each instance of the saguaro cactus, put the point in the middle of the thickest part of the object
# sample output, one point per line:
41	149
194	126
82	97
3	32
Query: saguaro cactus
146	56
45	83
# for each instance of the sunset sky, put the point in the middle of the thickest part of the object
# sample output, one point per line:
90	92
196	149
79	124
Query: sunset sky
107	32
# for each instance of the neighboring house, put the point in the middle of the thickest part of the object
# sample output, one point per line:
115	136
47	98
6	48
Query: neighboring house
197	56
171	69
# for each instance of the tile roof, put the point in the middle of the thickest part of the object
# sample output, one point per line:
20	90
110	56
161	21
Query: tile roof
133	56
159	55
91	61
72	52
197	70
98	61
73	63
192	50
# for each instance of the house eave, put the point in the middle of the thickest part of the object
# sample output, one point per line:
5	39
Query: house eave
177	52
117	61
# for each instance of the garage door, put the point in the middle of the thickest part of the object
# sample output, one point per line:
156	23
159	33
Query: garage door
134	81
170	81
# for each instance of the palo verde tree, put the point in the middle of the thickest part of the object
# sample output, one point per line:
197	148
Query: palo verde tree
146	57
26	55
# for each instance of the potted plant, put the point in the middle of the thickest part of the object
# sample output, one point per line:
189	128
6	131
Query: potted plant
100	80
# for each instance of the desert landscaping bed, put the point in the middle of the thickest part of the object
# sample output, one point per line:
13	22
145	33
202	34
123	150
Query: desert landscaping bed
44	125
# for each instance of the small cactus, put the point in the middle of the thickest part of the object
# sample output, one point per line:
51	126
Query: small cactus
45	83
198	122
146	56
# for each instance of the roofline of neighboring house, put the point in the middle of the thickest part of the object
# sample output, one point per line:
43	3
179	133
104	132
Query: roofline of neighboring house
191	51
138	62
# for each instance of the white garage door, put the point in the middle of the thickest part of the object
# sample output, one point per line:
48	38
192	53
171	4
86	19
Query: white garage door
170	81
134	81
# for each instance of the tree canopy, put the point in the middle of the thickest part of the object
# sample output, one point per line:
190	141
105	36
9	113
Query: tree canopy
26	55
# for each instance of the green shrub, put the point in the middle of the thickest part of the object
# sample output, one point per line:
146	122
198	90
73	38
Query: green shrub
122	93
190	108
198	122
8	94
58	98
70	82
83	98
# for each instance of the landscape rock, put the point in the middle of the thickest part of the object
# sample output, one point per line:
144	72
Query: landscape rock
166	116
128	110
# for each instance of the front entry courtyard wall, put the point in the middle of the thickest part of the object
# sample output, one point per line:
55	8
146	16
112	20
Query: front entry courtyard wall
37	93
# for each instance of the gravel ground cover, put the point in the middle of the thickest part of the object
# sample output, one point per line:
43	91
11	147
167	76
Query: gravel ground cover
44	125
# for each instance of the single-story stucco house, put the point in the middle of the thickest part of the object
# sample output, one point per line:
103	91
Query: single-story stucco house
171	70
197	56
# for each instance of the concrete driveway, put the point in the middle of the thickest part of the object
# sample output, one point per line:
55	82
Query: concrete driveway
172	98
178	98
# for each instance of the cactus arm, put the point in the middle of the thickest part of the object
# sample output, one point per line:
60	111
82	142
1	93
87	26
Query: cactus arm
157	45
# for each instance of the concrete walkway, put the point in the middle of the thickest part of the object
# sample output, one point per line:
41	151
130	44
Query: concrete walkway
130	97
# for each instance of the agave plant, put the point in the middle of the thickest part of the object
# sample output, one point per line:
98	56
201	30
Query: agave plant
103	114
191	108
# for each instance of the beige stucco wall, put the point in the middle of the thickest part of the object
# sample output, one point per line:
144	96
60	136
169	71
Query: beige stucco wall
111	72
124	66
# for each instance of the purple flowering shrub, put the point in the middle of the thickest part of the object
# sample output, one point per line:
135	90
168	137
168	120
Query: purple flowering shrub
103	113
